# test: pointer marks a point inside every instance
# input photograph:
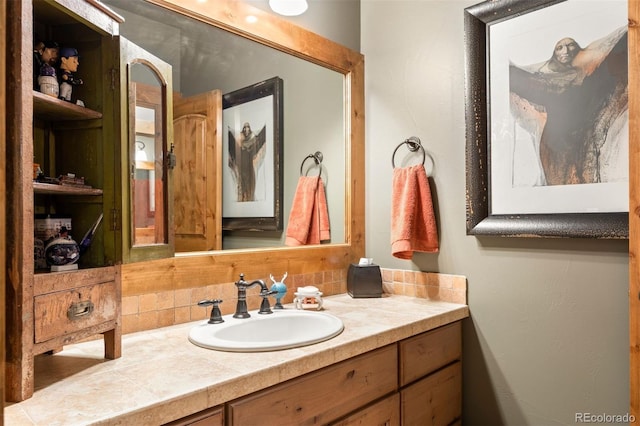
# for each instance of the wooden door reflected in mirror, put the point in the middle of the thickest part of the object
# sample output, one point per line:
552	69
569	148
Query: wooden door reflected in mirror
197	179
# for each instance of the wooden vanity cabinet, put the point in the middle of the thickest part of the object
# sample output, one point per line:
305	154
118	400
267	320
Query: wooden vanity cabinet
417	381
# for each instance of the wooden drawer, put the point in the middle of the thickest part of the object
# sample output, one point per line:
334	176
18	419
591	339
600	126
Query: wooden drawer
65	312
434	400
427	352
322	396
385	412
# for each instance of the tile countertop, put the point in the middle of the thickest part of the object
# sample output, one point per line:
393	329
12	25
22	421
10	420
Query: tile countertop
161	376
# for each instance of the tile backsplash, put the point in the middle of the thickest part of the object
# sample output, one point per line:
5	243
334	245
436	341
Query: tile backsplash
154	310
426	285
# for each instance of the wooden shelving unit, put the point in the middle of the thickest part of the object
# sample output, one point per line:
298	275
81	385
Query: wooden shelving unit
46	310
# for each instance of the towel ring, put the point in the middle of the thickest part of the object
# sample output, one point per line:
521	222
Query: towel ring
413	144
317	158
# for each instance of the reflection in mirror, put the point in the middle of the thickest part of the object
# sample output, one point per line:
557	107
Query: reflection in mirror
148	197
205	58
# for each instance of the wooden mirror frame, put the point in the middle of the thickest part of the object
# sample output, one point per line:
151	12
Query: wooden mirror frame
202	269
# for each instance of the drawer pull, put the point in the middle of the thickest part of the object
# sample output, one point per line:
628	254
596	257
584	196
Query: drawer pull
80	309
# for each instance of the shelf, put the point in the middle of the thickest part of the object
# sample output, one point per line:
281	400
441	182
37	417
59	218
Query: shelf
49	108
48	188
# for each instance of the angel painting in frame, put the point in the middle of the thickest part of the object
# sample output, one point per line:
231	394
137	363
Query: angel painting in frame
547	118
252	156
246	154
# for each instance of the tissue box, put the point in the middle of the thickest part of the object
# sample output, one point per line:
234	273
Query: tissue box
364	281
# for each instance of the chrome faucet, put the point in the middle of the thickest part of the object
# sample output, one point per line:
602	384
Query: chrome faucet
241	306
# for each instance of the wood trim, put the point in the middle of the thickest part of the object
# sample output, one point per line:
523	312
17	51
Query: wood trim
3	249
52	282
93	14
634	207
104	8
219	267
19	232
230	15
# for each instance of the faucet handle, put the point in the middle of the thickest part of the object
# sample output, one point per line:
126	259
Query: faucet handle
265	308
216	315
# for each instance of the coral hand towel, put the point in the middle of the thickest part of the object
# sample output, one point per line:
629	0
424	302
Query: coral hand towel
319	229
413	222
309	216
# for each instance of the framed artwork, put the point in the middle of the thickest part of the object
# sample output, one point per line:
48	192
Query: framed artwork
547	118
252	157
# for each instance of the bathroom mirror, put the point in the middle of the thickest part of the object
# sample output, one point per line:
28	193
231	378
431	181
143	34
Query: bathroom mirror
204	58
194	269
148	198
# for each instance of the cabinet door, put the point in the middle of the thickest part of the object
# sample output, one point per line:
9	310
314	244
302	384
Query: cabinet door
434	400
147	129
427	352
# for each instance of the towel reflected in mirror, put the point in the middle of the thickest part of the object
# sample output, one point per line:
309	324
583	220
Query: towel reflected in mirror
309	217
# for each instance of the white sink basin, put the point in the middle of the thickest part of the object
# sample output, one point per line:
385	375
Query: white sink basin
283	329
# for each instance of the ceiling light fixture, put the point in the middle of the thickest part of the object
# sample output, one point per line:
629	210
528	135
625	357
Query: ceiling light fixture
288	7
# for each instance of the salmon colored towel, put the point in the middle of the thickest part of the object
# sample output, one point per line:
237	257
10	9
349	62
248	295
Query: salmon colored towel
309	217
413	222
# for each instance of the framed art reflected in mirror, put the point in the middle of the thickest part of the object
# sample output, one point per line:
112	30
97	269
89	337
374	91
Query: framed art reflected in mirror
252	157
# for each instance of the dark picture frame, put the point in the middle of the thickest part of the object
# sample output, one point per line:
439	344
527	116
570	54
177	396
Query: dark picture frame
481	218
252	164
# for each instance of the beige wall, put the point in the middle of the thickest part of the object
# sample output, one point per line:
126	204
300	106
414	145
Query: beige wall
548	333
